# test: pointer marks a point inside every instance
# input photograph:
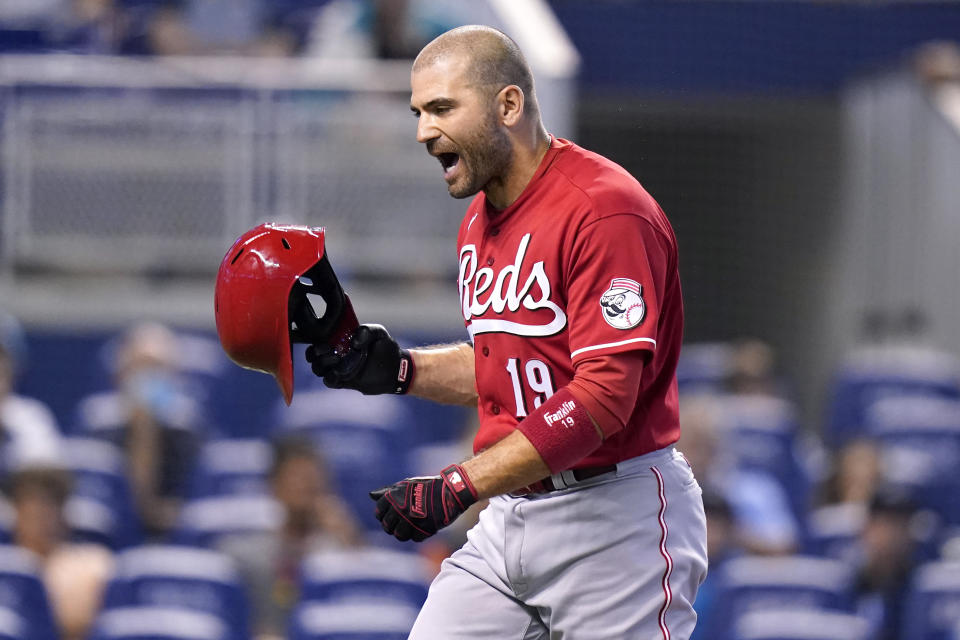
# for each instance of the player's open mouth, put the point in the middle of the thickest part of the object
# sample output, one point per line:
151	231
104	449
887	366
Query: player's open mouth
449	162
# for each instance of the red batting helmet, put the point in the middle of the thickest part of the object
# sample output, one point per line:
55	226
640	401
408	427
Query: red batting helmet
261	300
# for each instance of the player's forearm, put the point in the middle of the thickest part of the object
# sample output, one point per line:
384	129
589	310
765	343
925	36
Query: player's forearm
445	374
506	466
518	461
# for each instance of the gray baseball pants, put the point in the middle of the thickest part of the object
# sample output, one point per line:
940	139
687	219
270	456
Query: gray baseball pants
616	557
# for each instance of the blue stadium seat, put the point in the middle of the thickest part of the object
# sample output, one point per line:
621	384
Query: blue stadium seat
366	574
352	621
203	522
101	508
27	40
761	433
158	623
12	625
919	440
800	624
932	608
750	583
365	441
234	466
704	366
872	373
180	578
22	591
833	531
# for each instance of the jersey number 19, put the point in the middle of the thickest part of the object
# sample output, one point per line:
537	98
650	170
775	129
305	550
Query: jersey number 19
539	380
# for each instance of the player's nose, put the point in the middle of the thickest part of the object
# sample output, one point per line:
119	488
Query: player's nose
426	130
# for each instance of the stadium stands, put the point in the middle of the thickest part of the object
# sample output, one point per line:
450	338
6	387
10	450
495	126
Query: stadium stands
366	574
235	466
933	602
101	507
833	531
789	582
180	578
800	624
158	623
352	621
22	592
203	522
12	625
919	440
872	373
364	444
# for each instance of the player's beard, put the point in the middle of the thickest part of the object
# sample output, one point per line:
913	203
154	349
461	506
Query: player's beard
486	155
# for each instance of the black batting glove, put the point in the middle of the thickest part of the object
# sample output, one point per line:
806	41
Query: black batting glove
416	508
373	364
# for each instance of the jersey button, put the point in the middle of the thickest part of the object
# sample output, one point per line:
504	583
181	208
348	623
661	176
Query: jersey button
495	231
486	351
490	261
495	410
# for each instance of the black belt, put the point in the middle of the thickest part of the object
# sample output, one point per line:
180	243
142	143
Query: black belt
546	485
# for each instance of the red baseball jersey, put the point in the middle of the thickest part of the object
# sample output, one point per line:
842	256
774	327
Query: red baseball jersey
583	266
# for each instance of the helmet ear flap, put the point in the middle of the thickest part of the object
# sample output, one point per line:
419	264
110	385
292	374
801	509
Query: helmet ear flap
332	324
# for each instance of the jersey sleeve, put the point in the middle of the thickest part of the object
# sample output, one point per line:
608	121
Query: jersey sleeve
616	278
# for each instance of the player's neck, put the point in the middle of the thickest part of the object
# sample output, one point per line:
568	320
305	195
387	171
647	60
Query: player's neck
527	156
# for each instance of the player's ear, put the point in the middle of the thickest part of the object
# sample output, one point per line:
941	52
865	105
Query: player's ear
510	104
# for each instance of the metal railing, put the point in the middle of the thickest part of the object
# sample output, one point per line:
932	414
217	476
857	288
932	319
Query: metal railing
119	165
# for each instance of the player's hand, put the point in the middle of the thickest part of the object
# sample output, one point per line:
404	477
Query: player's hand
374	363
416	508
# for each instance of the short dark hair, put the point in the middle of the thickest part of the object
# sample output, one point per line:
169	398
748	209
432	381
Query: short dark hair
892	500
55	483
292	447
495	59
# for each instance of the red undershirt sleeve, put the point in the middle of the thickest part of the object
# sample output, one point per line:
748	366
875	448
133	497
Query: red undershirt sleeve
608	387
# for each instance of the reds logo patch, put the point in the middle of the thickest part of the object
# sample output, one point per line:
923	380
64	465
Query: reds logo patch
622	304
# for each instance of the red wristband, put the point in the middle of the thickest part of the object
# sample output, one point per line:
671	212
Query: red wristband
561	431
456	478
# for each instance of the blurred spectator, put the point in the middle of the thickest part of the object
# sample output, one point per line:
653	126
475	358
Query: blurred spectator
752	369
382	28
81	26
938	63
90	26
888	547
29	436
226	27
855	475
761	509
315	520
153	419
74	574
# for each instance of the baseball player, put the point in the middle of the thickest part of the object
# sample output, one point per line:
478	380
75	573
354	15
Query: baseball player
570	293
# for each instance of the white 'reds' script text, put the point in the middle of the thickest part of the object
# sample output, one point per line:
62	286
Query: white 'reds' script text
484	289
